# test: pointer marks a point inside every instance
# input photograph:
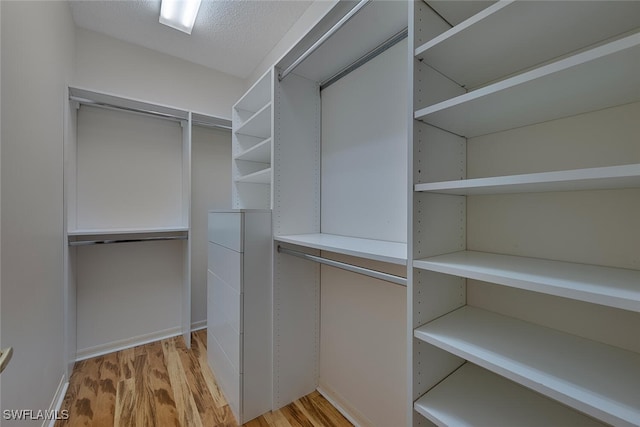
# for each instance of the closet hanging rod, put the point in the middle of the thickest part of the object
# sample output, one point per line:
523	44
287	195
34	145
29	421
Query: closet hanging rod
111	241
93	103
324	38
146	112
398	280
387	44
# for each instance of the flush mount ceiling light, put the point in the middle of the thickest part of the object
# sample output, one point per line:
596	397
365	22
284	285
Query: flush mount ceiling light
179	14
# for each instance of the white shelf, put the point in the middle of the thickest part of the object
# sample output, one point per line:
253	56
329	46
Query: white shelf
610	177
257	96
378	250
114	231
261	152
475	396
614	287
510	27
599	78
260	177
600	380
258	125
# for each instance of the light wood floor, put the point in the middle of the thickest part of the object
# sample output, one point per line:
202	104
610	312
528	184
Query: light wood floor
166	384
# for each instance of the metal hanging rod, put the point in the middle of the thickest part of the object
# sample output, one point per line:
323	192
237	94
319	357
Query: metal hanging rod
108	106
111	241
147	112
323	39
398	280
387	44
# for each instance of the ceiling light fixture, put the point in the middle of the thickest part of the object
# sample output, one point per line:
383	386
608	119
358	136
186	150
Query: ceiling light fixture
179	14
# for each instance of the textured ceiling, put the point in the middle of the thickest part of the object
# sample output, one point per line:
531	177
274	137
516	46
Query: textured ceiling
231	36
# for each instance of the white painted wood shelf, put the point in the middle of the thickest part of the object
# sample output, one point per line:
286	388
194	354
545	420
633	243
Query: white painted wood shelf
613	287
258	125
378	250
600	380
602	178
261	152
474	396
257	96
598	78
262	176
455	52
113	231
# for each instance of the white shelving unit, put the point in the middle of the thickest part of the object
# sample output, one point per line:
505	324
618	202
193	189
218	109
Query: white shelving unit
516	81
339	140
252	146
128	226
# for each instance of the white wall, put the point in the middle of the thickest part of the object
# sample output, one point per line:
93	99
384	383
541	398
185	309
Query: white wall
310	16
210	189
37	58
105	64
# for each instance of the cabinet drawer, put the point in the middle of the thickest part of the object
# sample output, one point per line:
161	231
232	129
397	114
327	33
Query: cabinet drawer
226	264
227	377
224	304
225	229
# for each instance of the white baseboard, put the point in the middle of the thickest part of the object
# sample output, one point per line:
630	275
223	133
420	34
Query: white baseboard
56	402
356	420
200	324
102	349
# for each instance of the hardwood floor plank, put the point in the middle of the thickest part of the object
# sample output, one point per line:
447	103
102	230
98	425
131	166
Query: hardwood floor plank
82	409
108	379
158	387
125	408
196	383
126	359
185	404
296	417
199	347
276	419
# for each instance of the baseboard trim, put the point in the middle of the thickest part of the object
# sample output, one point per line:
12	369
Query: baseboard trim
355	420
56	402
102	349
200	324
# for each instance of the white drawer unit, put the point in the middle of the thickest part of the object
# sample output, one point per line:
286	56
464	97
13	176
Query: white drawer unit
239	309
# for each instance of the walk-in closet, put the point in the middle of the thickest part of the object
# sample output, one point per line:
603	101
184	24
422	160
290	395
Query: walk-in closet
369	213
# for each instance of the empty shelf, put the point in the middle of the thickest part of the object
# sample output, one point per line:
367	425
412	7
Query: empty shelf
475	396
261	152
378	250
599	78
614	287
257	96
114	231
260	177
600	380
510	27
609	177
258	125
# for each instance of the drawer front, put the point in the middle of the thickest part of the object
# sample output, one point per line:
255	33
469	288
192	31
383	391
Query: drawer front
225	229
228	379
224	304
226	264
